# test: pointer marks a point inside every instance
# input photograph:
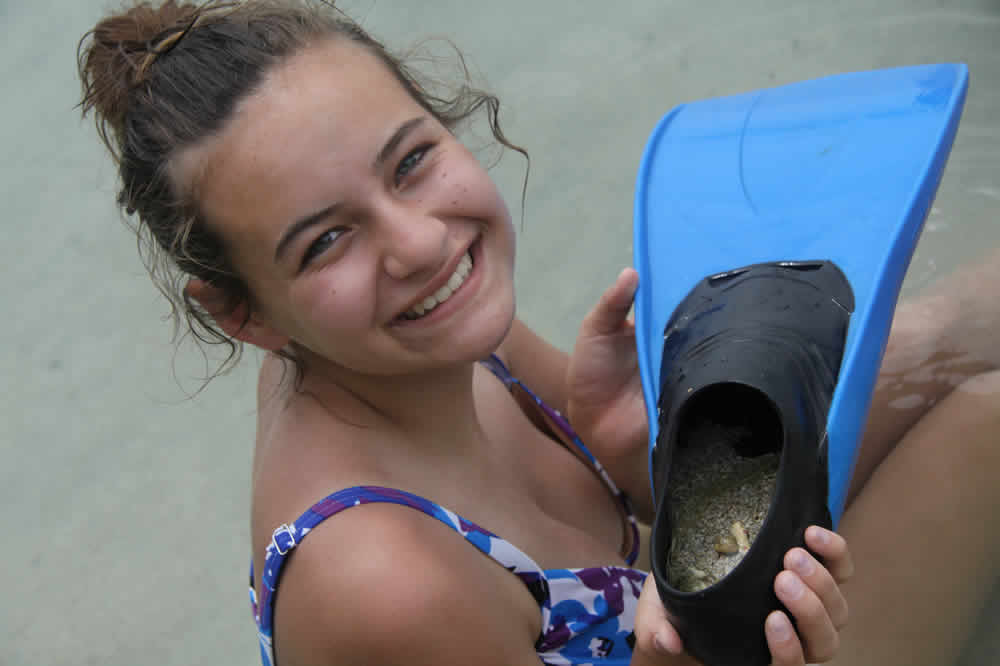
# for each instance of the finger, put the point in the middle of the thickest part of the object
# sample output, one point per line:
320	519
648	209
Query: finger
819	579
611	311
833	549
782	641
819	639
653	632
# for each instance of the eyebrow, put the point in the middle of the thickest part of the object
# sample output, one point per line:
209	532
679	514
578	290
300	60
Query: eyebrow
298	227
304	223
396	139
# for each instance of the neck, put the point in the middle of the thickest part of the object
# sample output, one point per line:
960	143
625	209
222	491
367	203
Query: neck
434	410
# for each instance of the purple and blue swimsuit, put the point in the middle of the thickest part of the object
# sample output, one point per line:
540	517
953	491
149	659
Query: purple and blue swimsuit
588	614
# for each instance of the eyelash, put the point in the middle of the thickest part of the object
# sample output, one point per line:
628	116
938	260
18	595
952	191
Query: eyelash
409	162
315	249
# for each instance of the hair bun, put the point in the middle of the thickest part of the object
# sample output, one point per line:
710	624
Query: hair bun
113	55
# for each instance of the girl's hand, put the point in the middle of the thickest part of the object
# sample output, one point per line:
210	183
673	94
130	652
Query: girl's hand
808	588
656	640
604	394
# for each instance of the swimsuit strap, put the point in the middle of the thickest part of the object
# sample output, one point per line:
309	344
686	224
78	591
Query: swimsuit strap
286	537
554	424
572	601
585	612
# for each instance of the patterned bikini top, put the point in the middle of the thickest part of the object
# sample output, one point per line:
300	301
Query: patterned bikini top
588	614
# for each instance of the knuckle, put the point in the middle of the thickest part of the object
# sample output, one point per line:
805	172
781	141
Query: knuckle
809	611
826	586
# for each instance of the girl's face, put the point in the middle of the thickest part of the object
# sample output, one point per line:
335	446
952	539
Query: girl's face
367	233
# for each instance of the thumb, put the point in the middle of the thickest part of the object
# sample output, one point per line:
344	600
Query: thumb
655	637
612	309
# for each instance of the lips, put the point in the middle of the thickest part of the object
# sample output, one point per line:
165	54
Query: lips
444	292
441	288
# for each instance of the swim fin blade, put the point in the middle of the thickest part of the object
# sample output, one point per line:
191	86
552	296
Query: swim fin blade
772	232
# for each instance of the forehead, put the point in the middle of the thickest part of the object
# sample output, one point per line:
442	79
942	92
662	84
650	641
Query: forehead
336	71
327	109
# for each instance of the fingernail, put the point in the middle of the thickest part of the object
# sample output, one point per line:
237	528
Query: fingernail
820	535
802	563
791	586
779	627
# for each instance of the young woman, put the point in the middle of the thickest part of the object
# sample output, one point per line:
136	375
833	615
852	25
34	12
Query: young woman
417	495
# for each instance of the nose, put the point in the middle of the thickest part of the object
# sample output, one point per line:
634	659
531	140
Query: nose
412	241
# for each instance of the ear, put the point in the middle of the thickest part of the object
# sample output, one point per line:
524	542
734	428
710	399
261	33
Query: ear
235	322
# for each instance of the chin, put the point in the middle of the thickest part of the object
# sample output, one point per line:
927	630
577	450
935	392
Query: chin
486	344
484	336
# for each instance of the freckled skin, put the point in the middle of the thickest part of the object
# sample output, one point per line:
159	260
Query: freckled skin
300	146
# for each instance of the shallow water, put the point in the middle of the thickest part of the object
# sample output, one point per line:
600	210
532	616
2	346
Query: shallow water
123	504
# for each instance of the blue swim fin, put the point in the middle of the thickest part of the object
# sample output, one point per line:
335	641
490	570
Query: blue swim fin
772	233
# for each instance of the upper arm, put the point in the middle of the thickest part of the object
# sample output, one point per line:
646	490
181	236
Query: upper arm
539	364
386	585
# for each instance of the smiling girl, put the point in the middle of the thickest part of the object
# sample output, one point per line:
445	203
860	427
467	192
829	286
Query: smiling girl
418	497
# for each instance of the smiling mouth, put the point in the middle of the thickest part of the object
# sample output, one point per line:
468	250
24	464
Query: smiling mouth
443	293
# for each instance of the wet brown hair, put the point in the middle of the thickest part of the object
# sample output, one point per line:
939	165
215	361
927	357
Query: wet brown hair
162	79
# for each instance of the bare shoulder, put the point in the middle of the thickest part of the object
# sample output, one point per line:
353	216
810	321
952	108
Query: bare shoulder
302	438
385	584
303	452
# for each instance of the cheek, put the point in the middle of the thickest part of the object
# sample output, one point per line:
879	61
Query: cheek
332	304
472	187
505	225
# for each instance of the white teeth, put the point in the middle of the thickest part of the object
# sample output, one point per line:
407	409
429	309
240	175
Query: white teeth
444	293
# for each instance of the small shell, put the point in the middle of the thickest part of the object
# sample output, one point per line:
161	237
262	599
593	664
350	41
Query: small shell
740	534
726	545
697	574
